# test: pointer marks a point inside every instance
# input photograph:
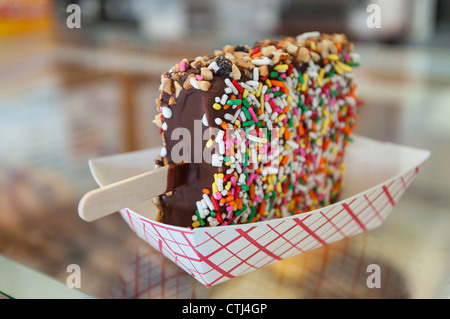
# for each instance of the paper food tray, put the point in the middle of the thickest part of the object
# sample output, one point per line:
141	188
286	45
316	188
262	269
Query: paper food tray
377	175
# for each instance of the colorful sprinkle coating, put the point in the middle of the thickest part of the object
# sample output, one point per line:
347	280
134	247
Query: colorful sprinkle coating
290	112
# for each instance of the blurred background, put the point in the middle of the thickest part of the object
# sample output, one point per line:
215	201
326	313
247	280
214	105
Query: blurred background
71	94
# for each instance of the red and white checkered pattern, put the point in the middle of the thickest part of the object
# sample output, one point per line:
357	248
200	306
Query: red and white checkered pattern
215	254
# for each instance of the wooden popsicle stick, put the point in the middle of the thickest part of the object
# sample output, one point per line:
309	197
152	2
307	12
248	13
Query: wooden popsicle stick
114	197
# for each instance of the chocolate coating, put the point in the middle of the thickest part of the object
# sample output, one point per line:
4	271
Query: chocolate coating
191	105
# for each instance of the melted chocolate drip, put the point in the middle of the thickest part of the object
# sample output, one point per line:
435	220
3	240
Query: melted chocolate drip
178	208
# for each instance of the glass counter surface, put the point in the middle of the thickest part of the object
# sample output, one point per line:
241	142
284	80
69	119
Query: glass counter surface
410	251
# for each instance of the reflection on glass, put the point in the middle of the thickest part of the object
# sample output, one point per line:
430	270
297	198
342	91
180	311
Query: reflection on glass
338	271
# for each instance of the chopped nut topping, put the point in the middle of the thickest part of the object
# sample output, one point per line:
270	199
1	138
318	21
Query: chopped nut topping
230	57
157	120
228	49
187	83
206	74
235	73
243	64
239	54
291	48
197	64
167	86
315	56
263	70
303	55
204	85
178	88
268	50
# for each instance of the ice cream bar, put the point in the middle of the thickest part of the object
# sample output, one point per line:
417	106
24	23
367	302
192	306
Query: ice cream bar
264	128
